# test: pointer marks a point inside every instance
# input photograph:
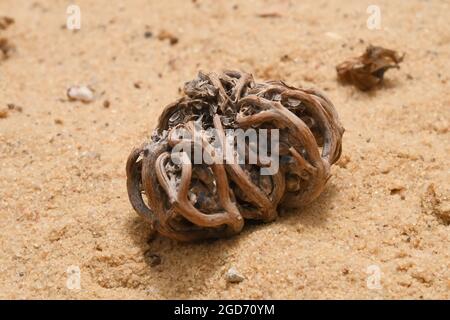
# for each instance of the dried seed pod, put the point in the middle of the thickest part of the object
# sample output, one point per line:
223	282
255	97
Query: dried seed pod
191	200
366	71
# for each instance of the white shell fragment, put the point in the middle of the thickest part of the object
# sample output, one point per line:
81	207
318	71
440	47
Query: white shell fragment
333	35
80	93
233	276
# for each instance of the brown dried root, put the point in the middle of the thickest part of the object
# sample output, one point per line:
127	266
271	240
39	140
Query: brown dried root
366	71
189	201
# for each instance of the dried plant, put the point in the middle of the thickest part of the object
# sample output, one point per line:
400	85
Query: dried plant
5	22
366	71
196	201
6	47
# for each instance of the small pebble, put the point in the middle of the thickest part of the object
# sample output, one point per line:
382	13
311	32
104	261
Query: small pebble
233	276
91	155
80	93
152	259
333	35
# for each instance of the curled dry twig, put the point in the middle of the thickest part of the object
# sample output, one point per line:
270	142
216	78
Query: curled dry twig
366	71
196	201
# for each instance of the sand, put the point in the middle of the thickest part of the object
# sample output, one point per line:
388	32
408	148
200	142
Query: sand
63	200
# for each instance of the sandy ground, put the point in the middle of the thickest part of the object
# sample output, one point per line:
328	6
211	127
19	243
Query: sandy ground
63	201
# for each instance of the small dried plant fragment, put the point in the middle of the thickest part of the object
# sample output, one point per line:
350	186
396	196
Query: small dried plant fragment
367	71
5	22
6	47
436	203
190	200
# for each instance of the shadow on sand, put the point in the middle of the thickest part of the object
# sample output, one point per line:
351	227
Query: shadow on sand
186	268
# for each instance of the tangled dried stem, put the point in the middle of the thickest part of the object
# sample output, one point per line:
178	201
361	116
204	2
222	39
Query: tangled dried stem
367	70
189	201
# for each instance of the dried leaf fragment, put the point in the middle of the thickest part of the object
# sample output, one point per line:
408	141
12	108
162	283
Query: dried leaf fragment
6	48
3	114
367	71
166	35
5	22
433	202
